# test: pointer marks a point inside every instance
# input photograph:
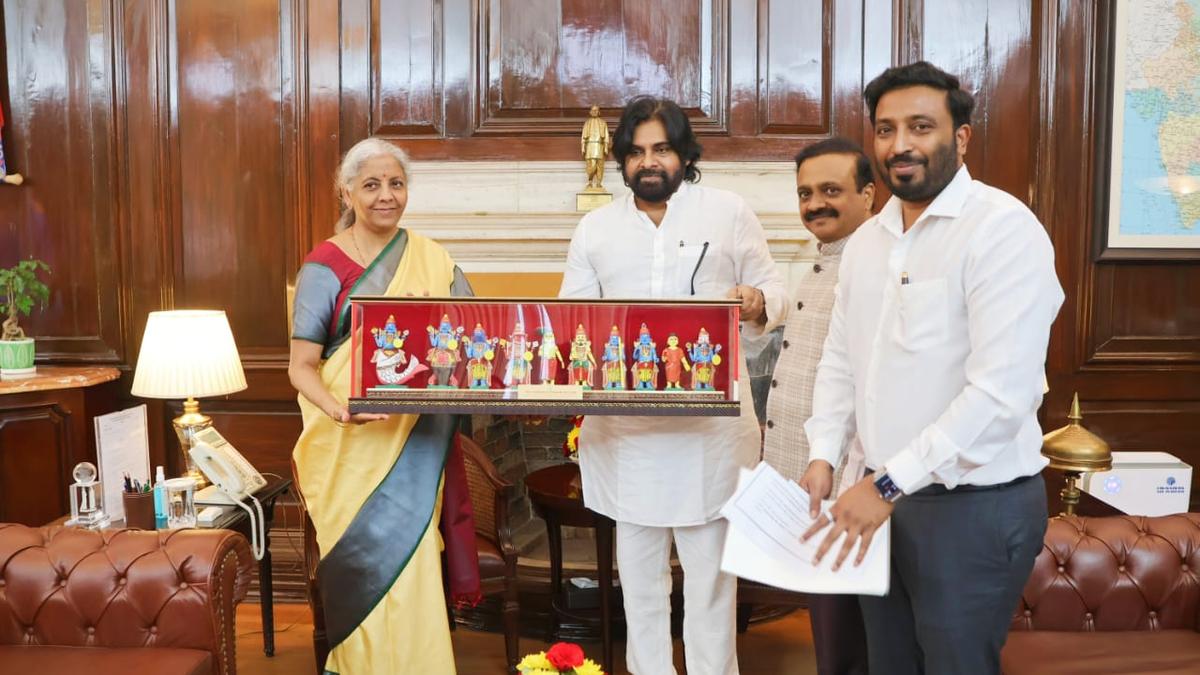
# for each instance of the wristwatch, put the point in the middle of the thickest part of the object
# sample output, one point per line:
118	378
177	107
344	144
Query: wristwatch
888	490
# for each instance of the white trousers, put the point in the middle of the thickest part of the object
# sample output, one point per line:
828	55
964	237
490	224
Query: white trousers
709	599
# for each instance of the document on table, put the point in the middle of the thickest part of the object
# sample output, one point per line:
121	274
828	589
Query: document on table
767	516
122	447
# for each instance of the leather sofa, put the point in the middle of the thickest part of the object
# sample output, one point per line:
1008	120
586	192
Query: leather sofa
1111	595
120	601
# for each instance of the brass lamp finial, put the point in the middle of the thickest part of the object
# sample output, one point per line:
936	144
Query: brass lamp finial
1075	450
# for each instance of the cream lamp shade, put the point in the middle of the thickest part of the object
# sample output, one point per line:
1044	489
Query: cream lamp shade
188	354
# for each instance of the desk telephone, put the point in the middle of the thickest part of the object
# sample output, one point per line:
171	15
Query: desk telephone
234	481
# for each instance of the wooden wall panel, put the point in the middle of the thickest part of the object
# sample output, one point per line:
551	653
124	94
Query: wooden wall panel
795	44
59	135
991	45
406	67
544	63
233	220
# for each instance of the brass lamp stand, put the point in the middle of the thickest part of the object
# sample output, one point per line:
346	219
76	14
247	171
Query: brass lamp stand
187	425
1075	451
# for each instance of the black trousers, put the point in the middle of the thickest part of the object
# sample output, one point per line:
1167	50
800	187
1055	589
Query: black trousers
960	559
839	635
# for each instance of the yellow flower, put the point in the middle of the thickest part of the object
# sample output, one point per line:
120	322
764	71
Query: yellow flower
534	663
589	667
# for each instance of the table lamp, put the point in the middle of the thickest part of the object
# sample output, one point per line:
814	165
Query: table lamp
1075	450
188	354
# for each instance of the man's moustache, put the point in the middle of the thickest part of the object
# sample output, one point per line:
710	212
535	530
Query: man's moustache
820	213
906	158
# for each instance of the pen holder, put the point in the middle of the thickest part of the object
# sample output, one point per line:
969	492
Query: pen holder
139	509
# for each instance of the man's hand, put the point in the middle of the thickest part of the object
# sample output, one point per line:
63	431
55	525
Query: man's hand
754	305
858	513
817	481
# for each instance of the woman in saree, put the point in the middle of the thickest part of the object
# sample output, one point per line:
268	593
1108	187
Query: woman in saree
372	483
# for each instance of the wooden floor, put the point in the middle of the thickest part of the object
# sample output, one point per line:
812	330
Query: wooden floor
782	647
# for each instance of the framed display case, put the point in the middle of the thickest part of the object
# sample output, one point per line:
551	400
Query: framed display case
544	356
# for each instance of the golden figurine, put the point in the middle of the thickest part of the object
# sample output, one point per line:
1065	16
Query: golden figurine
594	144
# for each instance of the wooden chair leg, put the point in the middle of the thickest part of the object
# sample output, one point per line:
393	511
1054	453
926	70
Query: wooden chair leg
512	623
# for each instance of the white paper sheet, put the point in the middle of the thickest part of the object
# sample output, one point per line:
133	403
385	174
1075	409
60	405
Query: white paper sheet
122	446
767	515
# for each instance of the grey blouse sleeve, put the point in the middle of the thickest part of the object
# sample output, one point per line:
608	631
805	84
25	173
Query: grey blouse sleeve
317	289
460	287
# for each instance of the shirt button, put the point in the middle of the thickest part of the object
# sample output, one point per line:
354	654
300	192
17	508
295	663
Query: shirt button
775	383
799	305
770	424
817	268
786	344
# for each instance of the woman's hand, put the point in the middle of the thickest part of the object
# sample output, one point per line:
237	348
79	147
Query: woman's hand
342	414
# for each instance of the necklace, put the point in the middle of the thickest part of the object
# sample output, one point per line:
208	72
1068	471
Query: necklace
362	259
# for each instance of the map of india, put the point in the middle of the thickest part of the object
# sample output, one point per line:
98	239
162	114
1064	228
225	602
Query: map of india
1160	131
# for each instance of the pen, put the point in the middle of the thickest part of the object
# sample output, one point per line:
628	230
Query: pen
697	267
904	278
128	484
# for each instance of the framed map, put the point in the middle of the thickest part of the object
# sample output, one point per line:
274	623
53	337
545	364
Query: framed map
1153	178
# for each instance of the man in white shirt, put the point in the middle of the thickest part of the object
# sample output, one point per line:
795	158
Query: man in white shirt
664	479
934	361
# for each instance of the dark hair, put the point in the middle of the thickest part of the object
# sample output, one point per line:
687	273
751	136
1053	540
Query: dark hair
922	73
679	132
863	176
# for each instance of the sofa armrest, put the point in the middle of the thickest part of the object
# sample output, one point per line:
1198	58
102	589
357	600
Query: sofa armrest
123	588
1117	573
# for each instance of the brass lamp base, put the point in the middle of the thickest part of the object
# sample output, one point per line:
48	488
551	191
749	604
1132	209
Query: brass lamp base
1070	493
187	425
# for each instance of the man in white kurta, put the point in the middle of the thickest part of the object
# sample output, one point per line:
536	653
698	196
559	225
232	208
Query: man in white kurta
664	479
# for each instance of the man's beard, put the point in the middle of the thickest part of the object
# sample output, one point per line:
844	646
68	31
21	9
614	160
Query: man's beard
655	194
939	171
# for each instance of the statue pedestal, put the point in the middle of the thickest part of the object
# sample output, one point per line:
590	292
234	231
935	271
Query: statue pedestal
591	199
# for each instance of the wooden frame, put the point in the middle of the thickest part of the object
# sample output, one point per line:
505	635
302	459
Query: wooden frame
1105	151
540	395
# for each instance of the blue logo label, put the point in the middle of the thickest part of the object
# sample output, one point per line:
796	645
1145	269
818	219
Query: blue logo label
1112	485
1170	480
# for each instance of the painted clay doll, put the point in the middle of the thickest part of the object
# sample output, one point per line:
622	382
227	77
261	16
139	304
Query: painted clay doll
705	359
389	356
582	361
443	355
550	357
674	363
613	358
481	350
518	352
645	361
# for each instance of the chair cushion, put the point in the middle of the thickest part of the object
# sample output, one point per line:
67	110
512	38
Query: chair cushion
491	562
1092	653
104	660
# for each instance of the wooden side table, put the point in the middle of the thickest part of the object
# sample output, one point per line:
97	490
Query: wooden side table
45	430
557	497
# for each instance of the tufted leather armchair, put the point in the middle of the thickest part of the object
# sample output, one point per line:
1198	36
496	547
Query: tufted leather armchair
120	601
1111	595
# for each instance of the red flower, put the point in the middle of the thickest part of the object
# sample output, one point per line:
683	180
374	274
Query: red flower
564	655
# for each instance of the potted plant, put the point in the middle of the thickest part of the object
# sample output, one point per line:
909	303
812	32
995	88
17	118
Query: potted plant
20	290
